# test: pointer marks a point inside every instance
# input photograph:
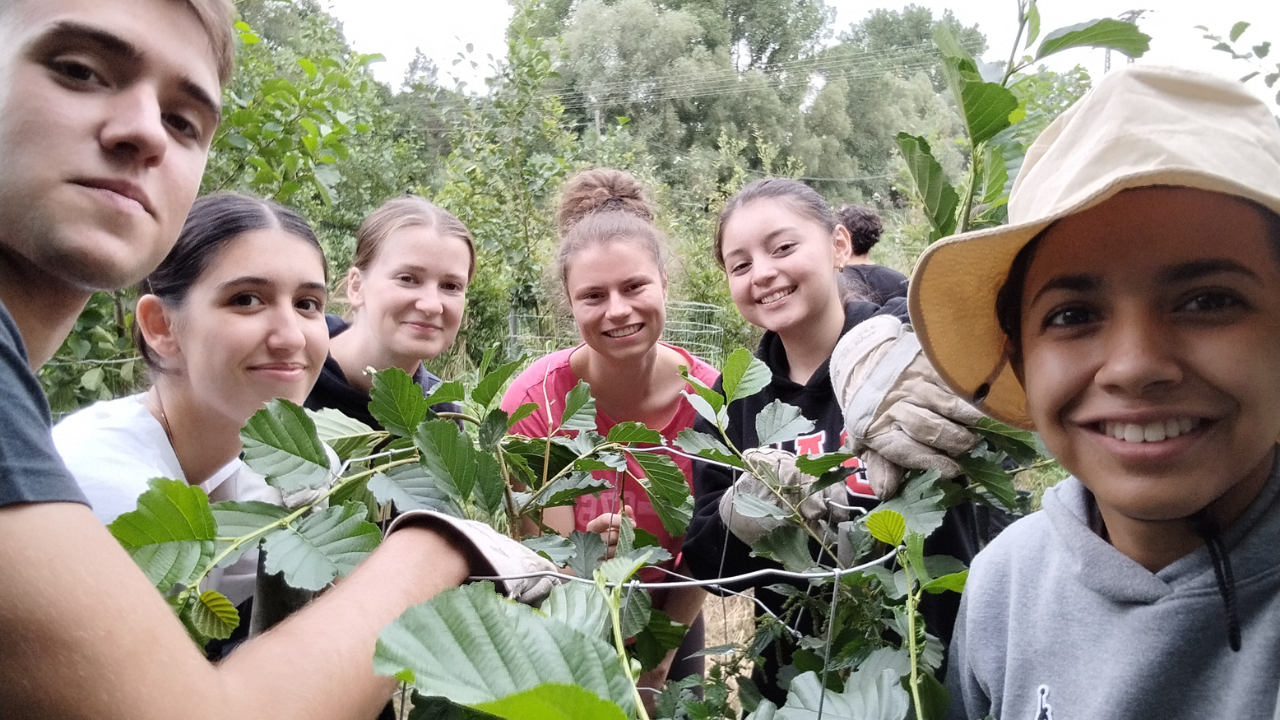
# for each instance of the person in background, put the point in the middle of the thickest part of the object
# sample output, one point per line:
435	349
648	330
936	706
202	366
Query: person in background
1129	313
407	289
232	318
107	110
862	279
612	263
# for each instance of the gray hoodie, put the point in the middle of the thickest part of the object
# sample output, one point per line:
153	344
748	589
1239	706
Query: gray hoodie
1056	624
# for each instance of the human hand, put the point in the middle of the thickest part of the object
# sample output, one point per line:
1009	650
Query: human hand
898	411
609	526
489	554
773	473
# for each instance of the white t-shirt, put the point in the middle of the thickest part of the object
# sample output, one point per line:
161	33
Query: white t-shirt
115	447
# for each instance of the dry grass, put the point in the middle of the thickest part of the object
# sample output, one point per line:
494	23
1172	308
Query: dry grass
730	621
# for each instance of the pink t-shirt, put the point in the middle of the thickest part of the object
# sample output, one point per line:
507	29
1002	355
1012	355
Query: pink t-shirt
554	373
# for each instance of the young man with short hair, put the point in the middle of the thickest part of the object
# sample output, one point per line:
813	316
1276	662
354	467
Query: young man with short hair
107	109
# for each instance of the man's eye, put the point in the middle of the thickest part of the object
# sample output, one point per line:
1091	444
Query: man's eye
182	125
246	300
309	305
77	71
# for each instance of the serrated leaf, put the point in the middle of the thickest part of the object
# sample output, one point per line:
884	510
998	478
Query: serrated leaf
490	385
579	409
553	702
887	526
397	403
536	451
706	446
993	478
620	569
565	490
752	506
657	638
347	436
588	551
787	545
919	502
447	392
882	699
492	429
490	490
1106	33
412	487
1017	444
521	413
819	465
744	375
171	534
555	548
579	606
779	422
995	175
932	190
449	456
322	546
214	616
634	432
475	647
636	609
280	443
709	396
668	490
238	519
953	583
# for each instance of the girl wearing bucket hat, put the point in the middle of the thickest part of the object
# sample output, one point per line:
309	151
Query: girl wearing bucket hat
1130	314
782	249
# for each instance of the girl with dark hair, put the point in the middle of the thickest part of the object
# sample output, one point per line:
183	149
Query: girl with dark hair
612	264
782	250
232	318
860	278
407	287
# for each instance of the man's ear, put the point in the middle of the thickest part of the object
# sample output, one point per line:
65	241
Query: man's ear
156	323
355	288
842	244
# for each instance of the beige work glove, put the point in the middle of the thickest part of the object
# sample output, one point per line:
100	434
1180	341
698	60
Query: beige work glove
489	554
899	413
777	468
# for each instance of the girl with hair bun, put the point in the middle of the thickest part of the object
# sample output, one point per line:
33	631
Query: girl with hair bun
612	265
407	288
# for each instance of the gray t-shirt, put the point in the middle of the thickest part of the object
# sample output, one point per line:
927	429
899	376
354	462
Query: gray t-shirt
30	469
1056	623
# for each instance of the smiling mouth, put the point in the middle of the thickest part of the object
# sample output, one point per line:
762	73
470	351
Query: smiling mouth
1148	432
622	332
774	297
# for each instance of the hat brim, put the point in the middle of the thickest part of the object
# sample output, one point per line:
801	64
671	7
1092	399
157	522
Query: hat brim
953	290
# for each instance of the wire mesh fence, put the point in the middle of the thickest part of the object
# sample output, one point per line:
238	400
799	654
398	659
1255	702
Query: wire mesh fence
691	325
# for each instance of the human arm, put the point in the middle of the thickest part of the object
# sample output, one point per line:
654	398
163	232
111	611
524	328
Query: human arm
83	634
682	605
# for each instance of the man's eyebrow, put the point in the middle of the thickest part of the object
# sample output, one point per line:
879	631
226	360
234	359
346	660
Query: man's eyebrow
1197	269
122	50
1074	283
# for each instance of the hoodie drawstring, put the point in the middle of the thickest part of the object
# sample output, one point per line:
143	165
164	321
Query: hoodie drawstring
1207	529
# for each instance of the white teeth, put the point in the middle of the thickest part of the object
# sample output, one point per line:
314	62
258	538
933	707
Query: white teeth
623	331
775	297
1151	432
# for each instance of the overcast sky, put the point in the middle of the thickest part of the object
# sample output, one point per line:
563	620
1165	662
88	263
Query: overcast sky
443	28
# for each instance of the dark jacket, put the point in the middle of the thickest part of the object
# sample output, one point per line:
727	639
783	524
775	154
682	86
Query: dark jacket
333	391
875	283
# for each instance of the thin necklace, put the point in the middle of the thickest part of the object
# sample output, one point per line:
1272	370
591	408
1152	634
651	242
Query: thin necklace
158	407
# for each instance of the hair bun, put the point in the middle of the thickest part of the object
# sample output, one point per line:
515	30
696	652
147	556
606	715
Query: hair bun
601	190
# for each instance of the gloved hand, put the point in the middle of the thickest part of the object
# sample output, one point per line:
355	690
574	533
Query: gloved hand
897	410
778	468
489	553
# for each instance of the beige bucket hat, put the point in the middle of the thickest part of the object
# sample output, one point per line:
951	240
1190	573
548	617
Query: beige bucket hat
1139	127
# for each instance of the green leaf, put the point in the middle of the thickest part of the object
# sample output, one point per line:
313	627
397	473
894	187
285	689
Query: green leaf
347	436
995	175
449	456
933	697
238	519
555	548
744	375
396	401
214	616
788	545
932	190
1238	29
473	646
447	392
619	570
1262	50
521	413
919	503
412	487
492	429
171	534
589	550
887	526
280	442
779	422
1106	33
579	409
882	699
658	638
993	478
579	606
554	702
324	545
1017	444
490	385
1033	23
953	583
819	465
637	608
706	446
668	490
634	432
490	489
565	490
